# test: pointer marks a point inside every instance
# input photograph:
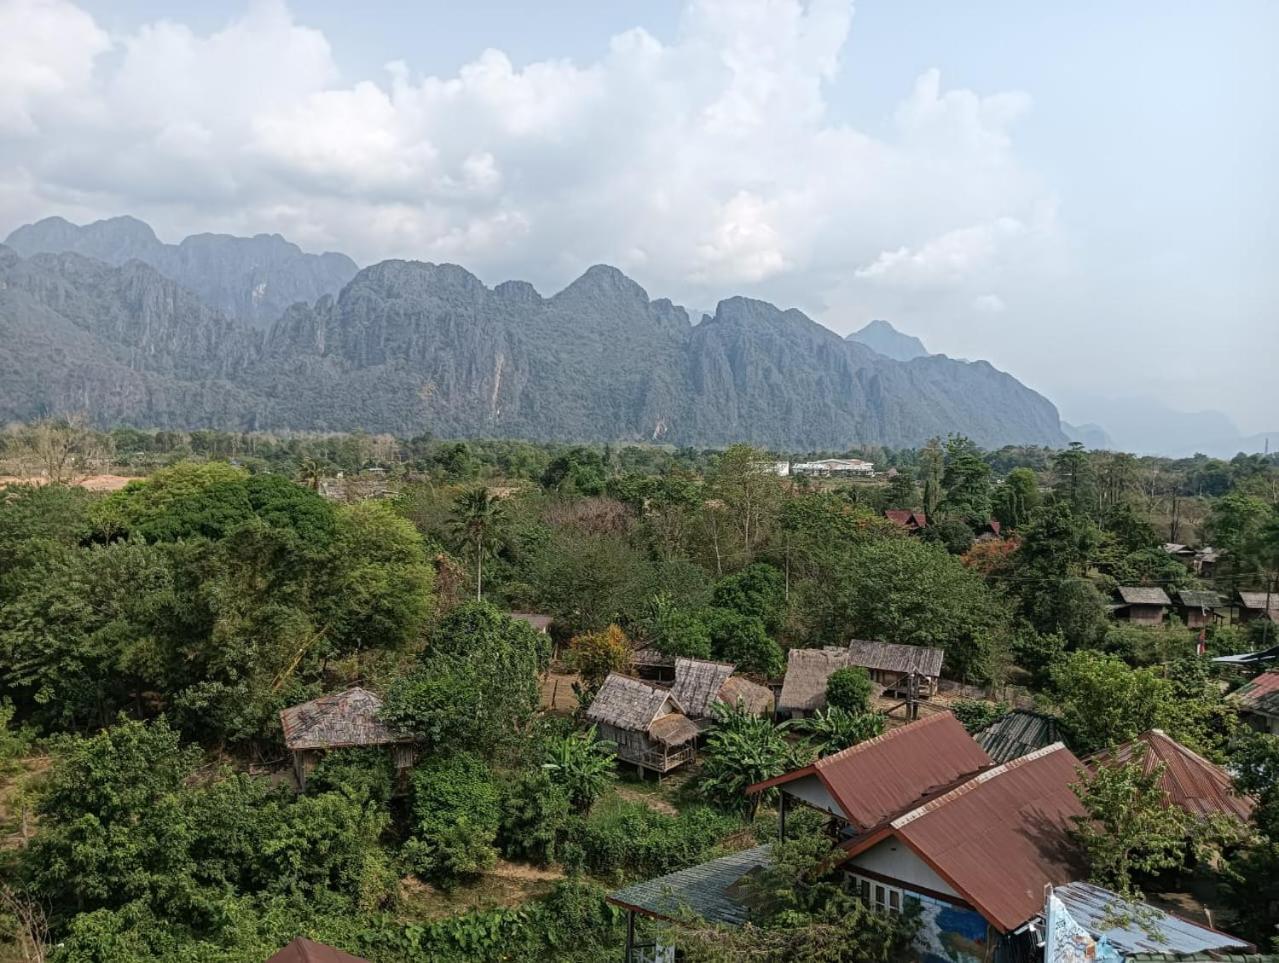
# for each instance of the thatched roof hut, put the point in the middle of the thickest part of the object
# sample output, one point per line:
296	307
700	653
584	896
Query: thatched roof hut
756	699
645	722
340	720
922	660
698	683
804	688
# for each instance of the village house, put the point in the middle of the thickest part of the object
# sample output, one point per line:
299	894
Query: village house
1199	608
1258	605
1189	781
804	686
646	724
342	720
699	684
307	951
834	467
891	665
653	665
909	520
1141	605
1018	733
1258	702
924	816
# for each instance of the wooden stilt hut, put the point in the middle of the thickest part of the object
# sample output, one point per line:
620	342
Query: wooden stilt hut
341	720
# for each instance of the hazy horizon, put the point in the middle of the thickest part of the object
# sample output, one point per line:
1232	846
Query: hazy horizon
1083	197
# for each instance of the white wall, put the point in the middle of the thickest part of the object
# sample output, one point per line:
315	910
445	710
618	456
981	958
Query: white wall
811	790
894	859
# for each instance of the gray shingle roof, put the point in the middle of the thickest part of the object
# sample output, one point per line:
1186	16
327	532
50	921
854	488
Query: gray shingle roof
698	683
1143	595
705	890
1017	734
1200	599
891	657
1258	600
336	721
626	703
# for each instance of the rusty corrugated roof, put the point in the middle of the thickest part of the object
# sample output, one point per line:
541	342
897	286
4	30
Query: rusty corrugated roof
1189	781
1259	695
876	780
307	951
336	721
1000	837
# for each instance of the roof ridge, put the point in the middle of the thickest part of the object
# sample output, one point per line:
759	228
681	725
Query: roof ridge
968	785
880	739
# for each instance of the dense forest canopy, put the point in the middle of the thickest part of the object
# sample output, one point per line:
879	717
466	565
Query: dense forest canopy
151	634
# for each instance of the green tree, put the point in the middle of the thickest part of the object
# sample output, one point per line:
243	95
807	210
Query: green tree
965	483
834	728
742	749
742	640
1104	702
1076	485
901	492
1129	830
455	817
477	515
742	480
757	590
850	689
582	764
1017	498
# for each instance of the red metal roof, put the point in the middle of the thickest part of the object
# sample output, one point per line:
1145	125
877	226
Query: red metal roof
875	780
908	518
1189	780
998	838
306	951
1259	695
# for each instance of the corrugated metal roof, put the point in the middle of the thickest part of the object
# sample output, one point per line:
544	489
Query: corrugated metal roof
306	951
627	703
891	657
1189	781
907	518
1259	695
705	890
1198	599
1018	733
335	721
1139	927
876	780
698	683
1143	595
1001	836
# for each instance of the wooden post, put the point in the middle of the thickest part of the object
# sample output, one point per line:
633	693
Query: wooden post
781	817
630	935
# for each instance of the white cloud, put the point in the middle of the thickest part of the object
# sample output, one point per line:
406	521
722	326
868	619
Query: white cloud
709	164
989	304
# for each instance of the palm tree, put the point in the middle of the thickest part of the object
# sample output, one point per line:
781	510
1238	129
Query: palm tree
475	514
310	473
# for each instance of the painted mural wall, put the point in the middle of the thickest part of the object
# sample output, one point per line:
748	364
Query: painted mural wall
948	934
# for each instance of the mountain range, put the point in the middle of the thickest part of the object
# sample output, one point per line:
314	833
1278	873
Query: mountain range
108	320
882	337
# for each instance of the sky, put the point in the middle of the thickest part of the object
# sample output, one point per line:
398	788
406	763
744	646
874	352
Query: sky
1083	193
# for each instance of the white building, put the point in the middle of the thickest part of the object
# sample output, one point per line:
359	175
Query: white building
829	467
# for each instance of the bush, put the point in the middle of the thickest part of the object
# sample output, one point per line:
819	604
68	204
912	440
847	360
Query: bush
741	639
977	714
595	654
629	839
757	591
537	817
455	817
850	689
365	776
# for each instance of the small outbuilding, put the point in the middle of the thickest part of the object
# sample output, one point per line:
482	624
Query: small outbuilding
342	720
807	671
646	723
1258	702
1258	605
891	665
539	623
699	684
308	951
1142	605
1189	781
1199	608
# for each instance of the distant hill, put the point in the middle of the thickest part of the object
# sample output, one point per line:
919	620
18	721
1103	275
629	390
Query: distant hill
1090	435
883	338
253	279
407	347
1147	426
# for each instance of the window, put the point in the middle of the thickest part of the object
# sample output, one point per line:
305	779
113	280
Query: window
881	896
